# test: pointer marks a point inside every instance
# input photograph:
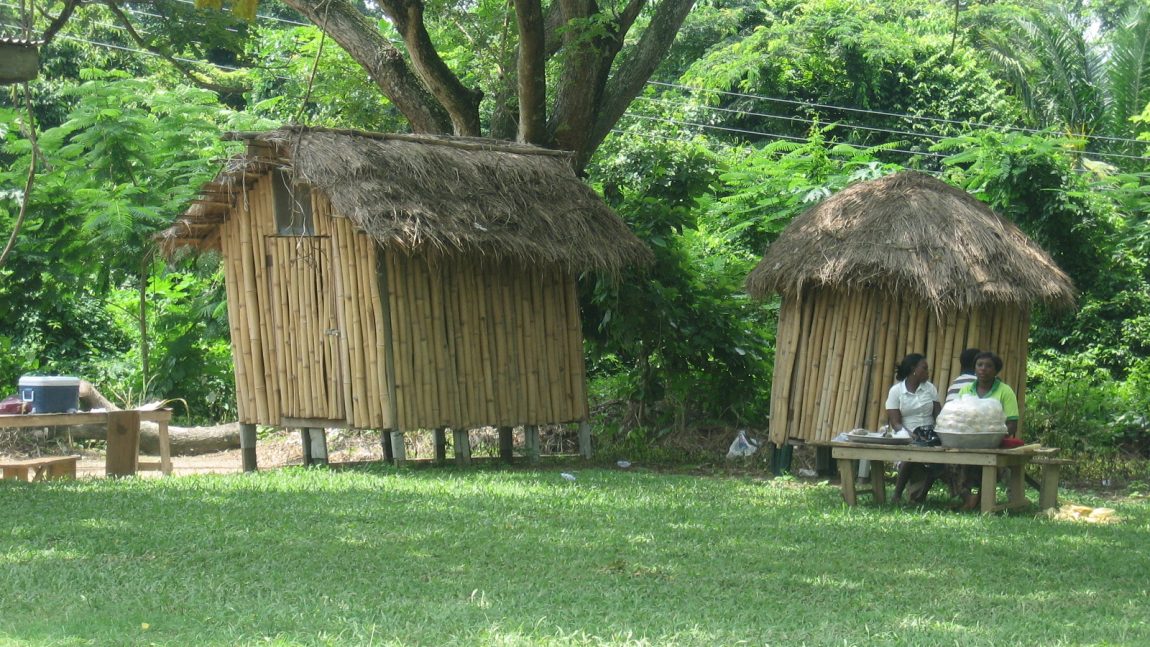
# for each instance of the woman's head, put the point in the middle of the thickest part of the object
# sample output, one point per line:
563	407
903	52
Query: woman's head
987	365
910	364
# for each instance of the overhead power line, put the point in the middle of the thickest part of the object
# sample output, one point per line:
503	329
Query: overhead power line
813	104
757	133
850	125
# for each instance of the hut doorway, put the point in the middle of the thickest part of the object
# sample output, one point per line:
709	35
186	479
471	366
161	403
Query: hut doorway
305	330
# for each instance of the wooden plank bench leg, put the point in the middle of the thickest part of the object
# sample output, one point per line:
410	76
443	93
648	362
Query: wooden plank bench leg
60	469
847	475
878	481
15	472
1048	495
988	492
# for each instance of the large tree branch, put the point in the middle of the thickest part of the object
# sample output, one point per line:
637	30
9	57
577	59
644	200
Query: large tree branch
191	74
385	64
634	72
532	73
58	22
461	102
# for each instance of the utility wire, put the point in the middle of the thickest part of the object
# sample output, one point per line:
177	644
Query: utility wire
866	128
965	124
764	134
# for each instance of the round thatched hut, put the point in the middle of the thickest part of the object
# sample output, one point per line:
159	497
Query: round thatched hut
401	282
905	263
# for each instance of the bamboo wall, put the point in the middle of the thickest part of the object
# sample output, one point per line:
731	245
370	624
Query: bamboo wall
488	344
447	344
837	352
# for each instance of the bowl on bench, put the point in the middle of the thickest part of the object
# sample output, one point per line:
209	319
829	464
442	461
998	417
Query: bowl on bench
971	439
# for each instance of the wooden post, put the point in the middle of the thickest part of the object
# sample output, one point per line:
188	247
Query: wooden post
123	452
248	446
440	435
397	449
585	440
531	442
462	447
506	444
385	442
305	443
318	446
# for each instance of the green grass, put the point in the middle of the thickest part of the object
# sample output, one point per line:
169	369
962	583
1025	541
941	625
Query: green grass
490	557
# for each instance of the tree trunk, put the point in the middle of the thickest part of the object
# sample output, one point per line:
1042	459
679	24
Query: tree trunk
184	441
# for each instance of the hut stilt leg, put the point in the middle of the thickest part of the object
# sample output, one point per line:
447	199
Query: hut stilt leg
440	436
462	447
506	444
305	443
248	446
397	449
585	440
318	442
531	442
385	443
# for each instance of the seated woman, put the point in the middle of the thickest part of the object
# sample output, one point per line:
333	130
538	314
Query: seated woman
912	404
987	385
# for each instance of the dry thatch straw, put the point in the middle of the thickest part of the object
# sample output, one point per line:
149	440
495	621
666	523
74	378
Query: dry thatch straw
479	198
911	234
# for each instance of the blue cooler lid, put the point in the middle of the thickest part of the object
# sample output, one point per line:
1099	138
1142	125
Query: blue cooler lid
48	380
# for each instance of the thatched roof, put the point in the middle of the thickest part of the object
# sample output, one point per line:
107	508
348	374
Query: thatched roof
912	234
475	197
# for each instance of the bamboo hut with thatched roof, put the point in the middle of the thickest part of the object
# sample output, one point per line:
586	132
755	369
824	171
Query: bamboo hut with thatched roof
905	263
401	282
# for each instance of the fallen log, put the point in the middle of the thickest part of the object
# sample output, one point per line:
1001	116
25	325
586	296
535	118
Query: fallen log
184	441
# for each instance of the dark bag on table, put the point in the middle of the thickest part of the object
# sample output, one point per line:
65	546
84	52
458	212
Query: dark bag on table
925	437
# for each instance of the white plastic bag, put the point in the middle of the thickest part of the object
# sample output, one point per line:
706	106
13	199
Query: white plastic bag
741	446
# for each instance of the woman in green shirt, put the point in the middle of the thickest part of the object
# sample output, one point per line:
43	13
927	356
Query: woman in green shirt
987	385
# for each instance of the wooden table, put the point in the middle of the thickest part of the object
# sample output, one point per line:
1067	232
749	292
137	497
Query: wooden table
990	460
122	459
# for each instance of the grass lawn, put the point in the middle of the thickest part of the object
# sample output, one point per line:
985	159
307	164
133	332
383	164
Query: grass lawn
381	556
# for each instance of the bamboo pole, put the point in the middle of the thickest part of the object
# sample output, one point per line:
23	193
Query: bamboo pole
487	342
457	324
830	369
578	362
263	228
513	330
876	397
556	371
855	365
785	344
1024	350
843	395
814	380
946	370
343	296
819	346
245	410
495	345
369	296
387	348
401	338
808	304
252	301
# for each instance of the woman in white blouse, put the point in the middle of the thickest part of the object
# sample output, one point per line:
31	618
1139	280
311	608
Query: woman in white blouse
912	404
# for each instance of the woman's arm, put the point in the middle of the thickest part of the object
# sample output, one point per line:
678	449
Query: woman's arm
937	408
894	417
1012	428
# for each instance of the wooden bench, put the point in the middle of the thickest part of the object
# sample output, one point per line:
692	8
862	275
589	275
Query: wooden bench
40	469
991	461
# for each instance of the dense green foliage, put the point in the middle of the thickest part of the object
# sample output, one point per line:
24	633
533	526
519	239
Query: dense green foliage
759	111
438	557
